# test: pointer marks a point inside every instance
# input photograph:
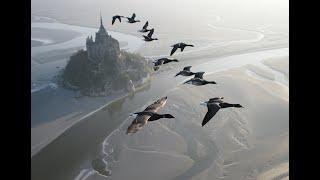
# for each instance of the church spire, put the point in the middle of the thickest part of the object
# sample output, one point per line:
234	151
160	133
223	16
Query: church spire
102	31
100	19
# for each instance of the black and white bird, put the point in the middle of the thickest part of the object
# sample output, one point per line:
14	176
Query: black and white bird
179	45
198	80
132	18
149	36
185	72
143	117
157	63
145	28
213	105
114	18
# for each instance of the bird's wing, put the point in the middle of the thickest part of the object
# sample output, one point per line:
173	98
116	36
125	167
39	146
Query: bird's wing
199	75
213	108
119	17
178	74
154	107
188	81
182	48
173	49
150	33
145	25
113	19
187	68
145	37
133	15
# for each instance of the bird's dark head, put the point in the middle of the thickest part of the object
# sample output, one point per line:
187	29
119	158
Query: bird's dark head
155	39
168	116
238	106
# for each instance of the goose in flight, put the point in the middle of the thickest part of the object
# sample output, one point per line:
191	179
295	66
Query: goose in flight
132	18
157	63
144	116
145	28
179	45
114	18
198	80
185	72
149	36
213	105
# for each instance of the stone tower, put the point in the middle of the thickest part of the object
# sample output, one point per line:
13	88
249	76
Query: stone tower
102	44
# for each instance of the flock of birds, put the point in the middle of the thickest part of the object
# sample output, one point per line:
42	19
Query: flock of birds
150	113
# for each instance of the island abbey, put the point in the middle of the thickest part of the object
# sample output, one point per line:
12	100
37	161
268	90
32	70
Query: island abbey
103	69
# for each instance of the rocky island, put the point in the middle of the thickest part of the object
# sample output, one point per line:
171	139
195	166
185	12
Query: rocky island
103	68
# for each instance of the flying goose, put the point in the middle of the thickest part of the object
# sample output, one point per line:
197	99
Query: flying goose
114	18
179	45
213	105
145	28
149	36
132	18
198	80
143	118
157	63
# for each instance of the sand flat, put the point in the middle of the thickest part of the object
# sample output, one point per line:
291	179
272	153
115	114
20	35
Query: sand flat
137	164
260	72
266	129
281	169
279	63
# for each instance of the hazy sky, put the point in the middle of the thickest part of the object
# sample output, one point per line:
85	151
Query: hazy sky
169	15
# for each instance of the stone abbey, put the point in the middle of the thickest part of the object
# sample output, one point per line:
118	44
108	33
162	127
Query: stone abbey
102	45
